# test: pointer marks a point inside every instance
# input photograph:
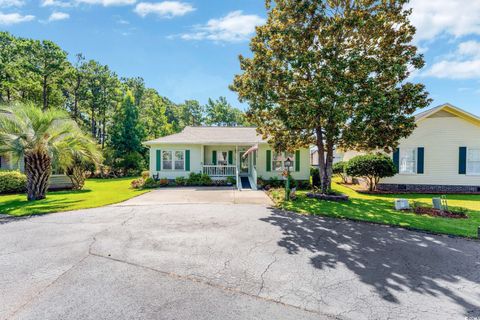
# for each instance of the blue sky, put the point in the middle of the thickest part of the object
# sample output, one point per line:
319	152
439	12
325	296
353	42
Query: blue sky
189	49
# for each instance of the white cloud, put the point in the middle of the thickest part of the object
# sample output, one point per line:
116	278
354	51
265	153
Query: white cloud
72	3
469	48
108	3
452	17
56	3
11	3
57	16
234	27
166	9
463	64
13	18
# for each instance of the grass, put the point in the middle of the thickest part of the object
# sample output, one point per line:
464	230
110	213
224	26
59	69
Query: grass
379	209
96	193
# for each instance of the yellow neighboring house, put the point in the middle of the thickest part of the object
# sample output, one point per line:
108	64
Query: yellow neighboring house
441	155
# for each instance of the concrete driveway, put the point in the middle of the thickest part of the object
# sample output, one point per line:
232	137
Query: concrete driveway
202	195
229	261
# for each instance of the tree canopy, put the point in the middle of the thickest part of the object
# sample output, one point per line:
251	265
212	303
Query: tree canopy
333	74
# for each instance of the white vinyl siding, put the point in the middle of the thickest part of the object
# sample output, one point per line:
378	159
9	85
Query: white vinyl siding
473	161
303	174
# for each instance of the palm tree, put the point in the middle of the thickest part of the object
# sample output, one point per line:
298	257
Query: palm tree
40	137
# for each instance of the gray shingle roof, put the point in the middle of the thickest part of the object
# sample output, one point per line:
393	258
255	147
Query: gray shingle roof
211	135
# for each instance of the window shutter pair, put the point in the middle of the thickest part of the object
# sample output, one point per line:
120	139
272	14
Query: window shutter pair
159	160
269	160
420	159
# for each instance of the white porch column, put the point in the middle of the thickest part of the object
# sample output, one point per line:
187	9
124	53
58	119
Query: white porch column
202	157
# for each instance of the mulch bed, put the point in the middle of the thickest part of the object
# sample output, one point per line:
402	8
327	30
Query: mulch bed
328	197
439	213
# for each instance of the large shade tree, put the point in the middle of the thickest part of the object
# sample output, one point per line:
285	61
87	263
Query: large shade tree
333	73
40	138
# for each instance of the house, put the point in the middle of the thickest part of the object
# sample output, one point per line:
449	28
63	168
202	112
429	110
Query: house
222	152
441	155
337	156
56	182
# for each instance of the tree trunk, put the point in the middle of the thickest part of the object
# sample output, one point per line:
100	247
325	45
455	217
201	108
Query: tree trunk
38	167
328	169
45	94
321	154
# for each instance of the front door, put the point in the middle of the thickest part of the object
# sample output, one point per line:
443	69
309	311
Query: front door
244	164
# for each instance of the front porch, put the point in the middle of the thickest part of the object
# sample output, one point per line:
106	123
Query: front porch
223	161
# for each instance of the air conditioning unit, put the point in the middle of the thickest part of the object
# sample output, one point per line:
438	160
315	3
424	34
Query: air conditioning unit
401	204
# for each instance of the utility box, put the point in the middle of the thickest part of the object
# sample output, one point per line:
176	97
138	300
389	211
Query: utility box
437	203
401	204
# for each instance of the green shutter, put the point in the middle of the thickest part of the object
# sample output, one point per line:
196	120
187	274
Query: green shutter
214	157
396	159
187	160
297	160
462	160
159	160
230	157
269	160
420	160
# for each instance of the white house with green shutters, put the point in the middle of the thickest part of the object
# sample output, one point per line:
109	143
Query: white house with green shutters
441	155
222	152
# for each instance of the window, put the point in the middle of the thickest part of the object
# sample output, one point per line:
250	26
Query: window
179	160
408	161
278	160
222	158
167	160
173	160
473	161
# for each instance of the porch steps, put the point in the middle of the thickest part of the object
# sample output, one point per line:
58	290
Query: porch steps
245	183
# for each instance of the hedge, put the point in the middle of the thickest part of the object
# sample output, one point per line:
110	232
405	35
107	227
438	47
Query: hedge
12	182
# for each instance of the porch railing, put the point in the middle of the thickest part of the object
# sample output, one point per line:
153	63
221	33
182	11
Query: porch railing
220	171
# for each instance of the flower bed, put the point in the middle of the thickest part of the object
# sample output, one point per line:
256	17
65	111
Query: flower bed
440	213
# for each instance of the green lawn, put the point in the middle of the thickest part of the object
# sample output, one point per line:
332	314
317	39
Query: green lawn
96	193
379	209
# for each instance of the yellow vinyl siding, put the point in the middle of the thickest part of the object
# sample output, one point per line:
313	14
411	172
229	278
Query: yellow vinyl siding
441	137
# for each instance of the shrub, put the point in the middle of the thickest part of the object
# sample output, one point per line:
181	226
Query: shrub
12	182
205	180
274	182
303	185
163	182
314	173
231	180
145	175
199	179
339	169
150	183
371	167
138	183
180	181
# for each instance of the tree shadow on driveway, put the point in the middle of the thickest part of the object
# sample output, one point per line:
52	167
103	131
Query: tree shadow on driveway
390	260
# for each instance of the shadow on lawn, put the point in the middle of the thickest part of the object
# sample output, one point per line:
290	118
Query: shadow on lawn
388	259
36	207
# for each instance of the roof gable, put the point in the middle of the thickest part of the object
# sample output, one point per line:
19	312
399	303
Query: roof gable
447	110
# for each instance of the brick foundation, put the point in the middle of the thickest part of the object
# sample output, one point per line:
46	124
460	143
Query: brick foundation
427	188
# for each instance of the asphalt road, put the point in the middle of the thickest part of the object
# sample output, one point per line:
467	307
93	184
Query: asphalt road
229	261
